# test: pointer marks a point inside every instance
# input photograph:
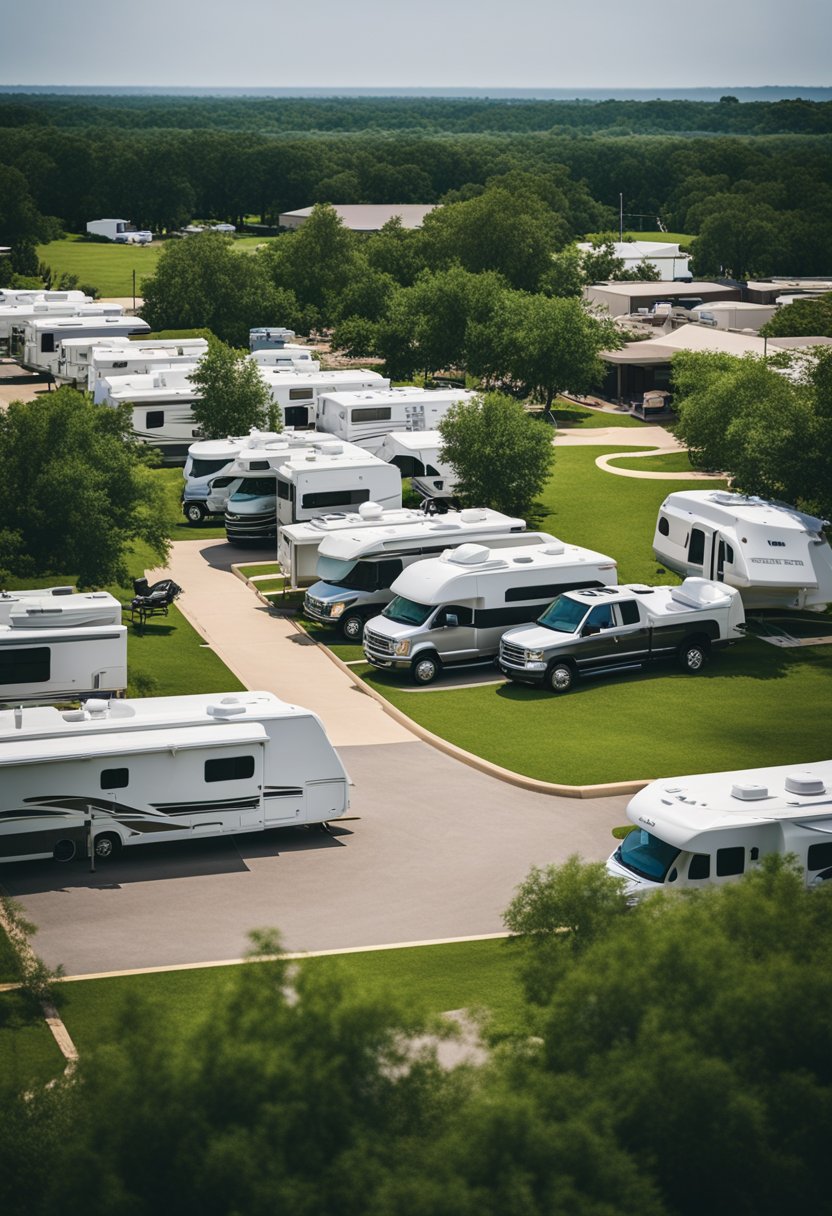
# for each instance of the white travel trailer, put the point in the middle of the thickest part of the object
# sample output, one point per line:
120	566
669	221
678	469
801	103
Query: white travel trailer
162	408
712	828
15	317
298	392
42	339
14	295
120	231
125	772
56	643
775	555
416	455
84	362
365	417
453	609
357	565
291	358
269	337
285	486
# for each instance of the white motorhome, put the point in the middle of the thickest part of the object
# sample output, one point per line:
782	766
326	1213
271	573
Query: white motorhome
15	317
284	486
42	338
366	416
298	392
14	295
120	231
207	472
57	643
291	358
454	609
85	362
416	455
775	555
712	828
357	565
162	407
269	337
124	772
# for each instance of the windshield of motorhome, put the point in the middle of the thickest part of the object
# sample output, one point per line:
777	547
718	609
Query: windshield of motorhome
355	576
407	612
564	615
255	487
646	855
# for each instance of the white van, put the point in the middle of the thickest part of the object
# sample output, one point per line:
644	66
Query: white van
454	609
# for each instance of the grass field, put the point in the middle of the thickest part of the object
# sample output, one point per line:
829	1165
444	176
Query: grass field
666	462
108	267
673	238
259	568
211	528
571	414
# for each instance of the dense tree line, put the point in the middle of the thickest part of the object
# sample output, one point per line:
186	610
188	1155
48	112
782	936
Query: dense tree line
669	1059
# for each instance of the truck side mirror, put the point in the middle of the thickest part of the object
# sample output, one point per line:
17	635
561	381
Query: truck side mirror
589	630
451	620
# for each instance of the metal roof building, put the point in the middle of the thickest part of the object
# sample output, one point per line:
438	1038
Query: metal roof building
365	217
619	299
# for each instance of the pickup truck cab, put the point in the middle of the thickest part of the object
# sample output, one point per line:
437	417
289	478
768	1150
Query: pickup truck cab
600	629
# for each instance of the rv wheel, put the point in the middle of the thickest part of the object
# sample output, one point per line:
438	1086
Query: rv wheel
425	669
195	512
560	678
693	656
352	626
64	850
106	846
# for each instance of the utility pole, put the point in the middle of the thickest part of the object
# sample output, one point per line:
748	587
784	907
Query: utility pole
134	291
621	218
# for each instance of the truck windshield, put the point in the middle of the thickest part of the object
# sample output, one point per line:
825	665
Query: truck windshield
565	615
646	855
355	576
407	612
255	487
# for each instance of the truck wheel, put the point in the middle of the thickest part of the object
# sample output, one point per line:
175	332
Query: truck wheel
64	850
195	512
106	846
352	626
425	669
560	677
693	656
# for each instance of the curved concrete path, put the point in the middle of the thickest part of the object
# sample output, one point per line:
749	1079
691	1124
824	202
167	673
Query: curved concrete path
604	463
659	442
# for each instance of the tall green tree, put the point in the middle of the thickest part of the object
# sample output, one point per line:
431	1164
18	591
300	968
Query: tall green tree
316	263
234	397
501	456
76	490
811	317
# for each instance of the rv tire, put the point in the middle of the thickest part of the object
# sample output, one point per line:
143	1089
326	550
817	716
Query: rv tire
106	846
352	626
64	850
693	655
560	677
425	668
195	512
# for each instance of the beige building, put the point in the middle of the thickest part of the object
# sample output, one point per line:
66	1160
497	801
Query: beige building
365	217
620	299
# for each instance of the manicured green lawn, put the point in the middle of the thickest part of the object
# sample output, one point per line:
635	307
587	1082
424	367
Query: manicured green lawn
167	657
673	238
108	267
667	462
571	414
259	568
333	640
29	1054
211	528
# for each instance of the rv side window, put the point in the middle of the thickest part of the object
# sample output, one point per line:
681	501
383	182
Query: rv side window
464	616
819	856
542	591
376	413
219	483
32	665
229	768
696	547
664	526
204	468
629	612
700	866
729	555
335	498
47	344
155	419
115	778
120	363
300	394
284	490
730	861
258	466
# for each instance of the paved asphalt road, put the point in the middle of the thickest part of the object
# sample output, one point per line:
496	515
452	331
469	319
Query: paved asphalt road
436	851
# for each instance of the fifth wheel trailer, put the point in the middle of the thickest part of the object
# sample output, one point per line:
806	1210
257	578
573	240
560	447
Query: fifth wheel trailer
124	772
42	338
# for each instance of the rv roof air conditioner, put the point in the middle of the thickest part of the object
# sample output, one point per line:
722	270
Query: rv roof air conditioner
554	549
370	510
804	783
472	515
748	791
96	708
228	707
467	555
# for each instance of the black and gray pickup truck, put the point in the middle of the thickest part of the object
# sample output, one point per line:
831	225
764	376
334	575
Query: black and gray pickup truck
604	628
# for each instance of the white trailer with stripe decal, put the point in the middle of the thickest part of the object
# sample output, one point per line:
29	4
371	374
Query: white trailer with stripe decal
125	772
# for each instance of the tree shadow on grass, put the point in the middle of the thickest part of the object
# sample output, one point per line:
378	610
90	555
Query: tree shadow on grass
149	630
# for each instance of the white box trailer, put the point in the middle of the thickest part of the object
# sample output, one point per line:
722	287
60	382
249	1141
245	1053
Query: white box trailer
452	610
775	555
711	828
56	643
297	392
14	295
120	231
299	484
357	565
366	416
125	772
162	407
15	317
416	455
288	358
42	338
83	362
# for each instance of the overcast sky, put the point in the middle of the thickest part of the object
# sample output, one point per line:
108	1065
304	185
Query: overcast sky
429	43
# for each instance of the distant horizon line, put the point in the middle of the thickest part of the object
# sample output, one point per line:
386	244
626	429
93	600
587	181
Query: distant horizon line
525	92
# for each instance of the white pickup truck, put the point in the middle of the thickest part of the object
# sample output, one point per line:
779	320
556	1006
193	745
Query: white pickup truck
604	628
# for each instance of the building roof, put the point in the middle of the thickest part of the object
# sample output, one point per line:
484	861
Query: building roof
659	290
370	217
636	250
702	338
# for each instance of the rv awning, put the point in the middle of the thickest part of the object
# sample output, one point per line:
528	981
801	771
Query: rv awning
130	743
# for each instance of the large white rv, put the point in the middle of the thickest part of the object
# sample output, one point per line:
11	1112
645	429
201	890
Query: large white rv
120	231
357	566
712	828
42	338
298	392
416	455
85	362
57	643
207	472
15	317
161	769
365	417
291	358
775	555
284	486
454	609
16	295
162	408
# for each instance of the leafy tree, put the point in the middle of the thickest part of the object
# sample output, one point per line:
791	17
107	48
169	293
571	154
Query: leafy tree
396	251
738	236
501	456
811	317
234	397
565	277
317	263
76	490
21	223
601	262
200	282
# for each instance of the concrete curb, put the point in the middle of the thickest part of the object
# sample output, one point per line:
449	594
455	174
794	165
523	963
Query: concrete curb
484	766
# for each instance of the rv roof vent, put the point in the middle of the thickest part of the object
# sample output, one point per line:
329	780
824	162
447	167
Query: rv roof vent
370	510
748	791
68	591
472	515
95	707
468	555
311	456
804	783
554	549
523	559
226	708
73	715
